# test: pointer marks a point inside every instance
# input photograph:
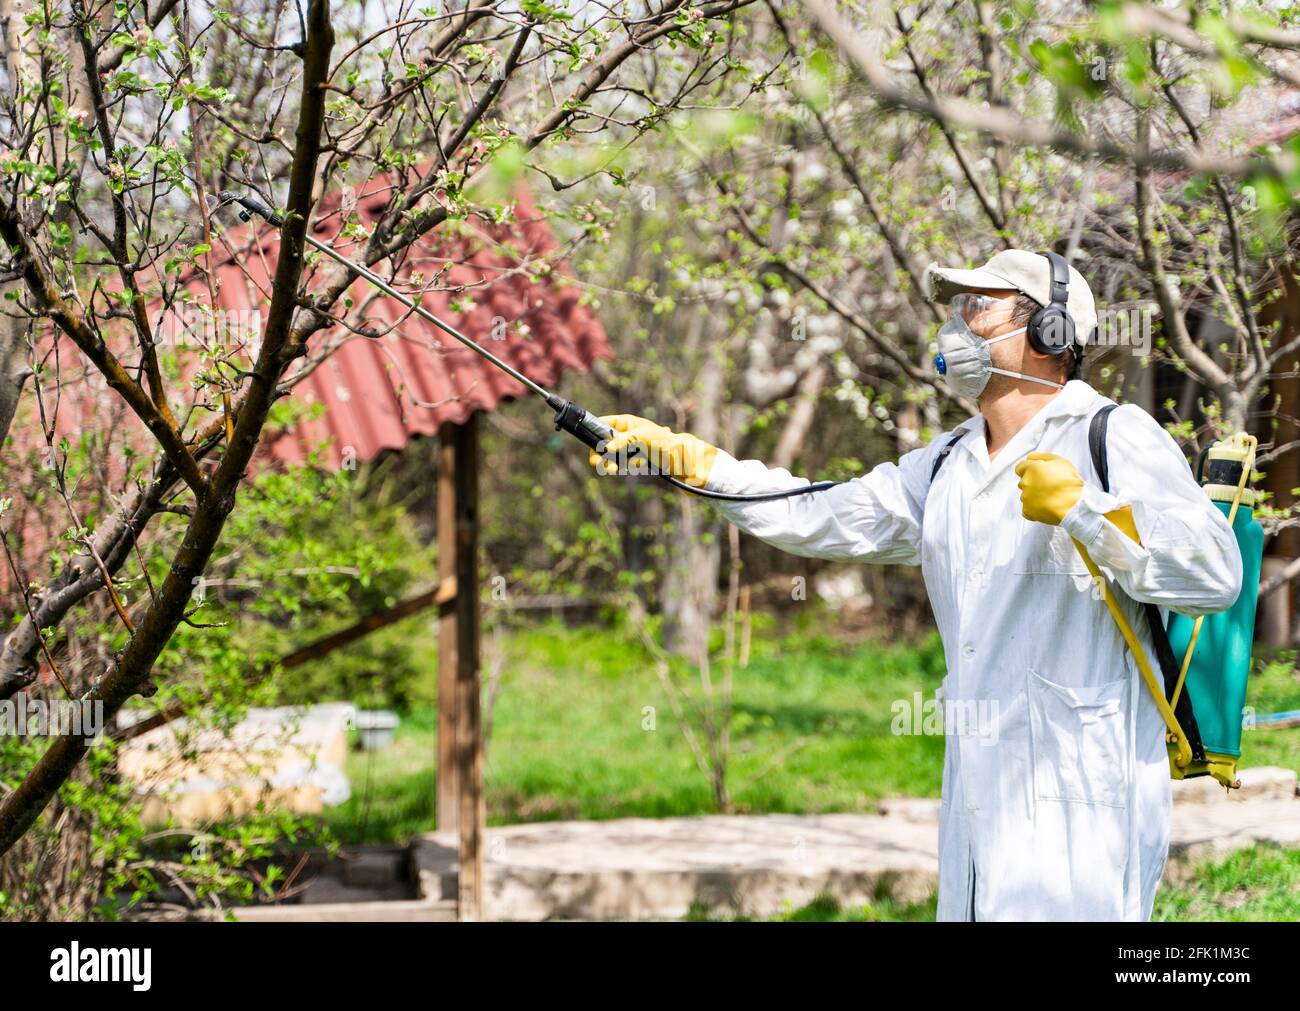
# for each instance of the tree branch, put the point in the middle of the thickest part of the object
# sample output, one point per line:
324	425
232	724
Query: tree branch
71	322
130	674
1003	124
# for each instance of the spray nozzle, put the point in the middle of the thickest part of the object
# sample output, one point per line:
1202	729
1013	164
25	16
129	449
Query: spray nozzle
250	205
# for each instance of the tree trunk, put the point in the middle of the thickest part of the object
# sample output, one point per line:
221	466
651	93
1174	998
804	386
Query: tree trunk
694	555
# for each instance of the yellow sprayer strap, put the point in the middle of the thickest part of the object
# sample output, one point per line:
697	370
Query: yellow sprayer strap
1247	466
1154	685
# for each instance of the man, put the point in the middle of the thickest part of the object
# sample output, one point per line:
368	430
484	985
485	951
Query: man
1061	809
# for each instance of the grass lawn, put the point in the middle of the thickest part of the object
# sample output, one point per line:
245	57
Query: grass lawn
827	909
1274	688
583	729
1260	883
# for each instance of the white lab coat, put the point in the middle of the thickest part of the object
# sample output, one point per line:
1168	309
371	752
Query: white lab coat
1066	816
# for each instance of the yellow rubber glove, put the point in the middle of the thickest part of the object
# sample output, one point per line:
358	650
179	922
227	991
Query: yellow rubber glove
659	451
1049	487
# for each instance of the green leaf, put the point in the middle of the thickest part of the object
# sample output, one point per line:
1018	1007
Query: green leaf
542	12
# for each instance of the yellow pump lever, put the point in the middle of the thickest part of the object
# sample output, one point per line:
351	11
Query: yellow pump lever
1123	518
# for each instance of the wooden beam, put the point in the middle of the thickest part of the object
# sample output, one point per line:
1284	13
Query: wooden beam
370	623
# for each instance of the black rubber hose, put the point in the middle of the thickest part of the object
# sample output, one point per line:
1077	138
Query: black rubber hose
759	496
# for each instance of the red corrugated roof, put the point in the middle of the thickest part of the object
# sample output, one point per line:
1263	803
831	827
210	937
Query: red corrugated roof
379	392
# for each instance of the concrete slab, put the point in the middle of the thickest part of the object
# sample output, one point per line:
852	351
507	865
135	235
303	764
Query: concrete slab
640	868
1206	831
637	868
1265	781
405	911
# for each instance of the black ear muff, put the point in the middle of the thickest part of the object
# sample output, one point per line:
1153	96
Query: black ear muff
1051	329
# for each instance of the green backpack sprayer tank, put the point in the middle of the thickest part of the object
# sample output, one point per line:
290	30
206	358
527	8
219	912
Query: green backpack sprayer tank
1200	698
1216	648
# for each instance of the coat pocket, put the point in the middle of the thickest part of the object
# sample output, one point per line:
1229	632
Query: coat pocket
1079	740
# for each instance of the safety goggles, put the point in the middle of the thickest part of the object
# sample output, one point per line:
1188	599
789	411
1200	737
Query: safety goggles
983	312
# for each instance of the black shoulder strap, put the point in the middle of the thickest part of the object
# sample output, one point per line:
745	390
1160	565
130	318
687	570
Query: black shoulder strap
1097	445
955	438
1169	666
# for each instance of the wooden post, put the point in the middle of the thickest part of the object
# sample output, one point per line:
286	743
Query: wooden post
448	812
460	734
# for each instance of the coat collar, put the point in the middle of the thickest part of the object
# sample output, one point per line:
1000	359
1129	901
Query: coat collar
1077	398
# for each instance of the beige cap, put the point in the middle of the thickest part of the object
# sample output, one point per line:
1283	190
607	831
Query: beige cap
1016	270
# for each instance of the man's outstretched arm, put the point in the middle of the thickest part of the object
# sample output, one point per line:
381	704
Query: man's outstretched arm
874	518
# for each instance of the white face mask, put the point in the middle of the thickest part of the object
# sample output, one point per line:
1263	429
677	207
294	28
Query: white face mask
964	362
